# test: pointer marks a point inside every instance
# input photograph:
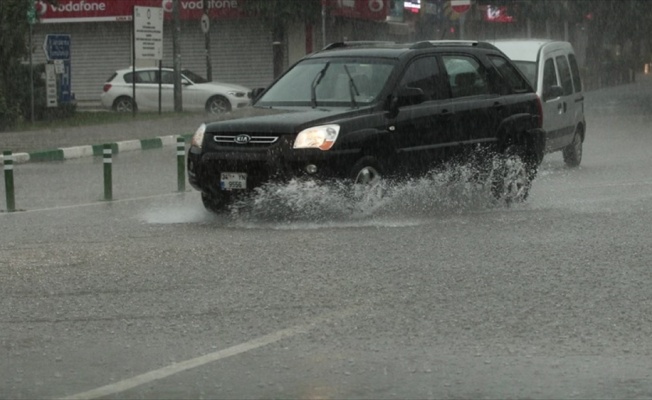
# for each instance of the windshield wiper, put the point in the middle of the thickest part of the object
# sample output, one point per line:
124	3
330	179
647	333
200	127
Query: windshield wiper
315	82
353	90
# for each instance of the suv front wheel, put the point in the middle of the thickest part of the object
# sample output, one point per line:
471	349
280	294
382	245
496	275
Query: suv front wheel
368	188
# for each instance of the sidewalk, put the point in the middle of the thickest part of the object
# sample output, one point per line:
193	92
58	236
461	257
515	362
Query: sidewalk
46	144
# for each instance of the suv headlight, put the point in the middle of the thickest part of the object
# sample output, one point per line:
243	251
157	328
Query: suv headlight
318	137
198	137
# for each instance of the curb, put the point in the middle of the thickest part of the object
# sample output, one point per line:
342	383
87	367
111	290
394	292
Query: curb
68	153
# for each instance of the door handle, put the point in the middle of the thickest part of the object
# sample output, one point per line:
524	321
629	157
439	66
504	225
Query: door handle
498	106
446	114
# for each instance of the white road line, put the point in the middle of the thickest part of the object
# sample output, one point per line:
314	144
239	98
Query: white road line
175	368
97	203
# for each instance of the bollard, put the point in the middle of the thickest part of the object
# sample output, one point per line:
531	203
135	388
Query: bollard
8	165
181	166
107	154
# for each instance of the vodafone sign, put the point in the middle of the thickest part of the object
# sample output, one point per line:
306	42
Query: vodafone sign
361	9
122	10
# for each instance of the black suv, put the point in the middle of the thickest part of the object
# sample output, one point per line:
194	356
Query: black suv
360	111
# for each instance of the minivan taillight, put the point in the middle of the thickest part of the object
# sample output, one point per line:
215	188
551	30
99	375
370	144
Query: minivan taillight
106	87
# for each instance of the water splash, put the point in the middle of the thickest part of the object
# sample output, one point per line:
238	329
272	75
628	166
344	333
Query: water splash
453	188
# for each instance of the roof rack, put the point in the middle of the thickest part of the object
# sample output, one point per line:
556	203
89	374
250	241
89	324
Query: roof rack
432	43
360	43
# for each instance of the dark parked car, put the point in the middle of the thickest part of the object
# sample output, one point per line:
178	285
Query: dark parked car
364	111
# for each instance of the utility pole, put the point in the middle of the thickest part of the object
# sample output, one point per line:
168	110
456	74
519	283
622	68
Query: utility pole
176	55
206	27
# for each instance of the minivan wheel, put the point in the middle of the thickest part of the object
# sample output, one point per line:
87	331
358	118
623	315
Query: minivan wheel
215	203
573	152
218	105
512	175
123	104
368	188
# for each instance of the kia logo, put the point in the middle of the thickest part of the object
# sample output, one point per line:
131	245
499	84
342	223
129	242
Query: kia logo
242	139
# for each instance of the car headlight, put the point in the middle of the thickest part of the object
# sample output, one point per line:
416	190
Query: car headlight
236	94
198	137
318	137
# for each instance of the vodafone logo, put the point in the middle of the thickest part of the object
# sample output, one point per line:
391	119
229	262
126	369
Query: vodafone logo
41	7
376	5
167	5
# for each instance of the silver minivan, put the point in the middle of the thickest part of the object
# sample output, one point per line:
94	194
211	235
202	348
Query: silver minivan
551	68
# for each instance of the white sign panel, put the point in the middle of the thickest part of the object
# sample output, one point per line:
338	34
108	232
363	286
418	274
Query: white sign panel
50	85
148	33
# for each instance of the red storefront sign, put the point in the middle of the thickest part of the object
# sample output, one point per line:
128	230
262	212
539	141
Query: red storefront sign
361	9
122	10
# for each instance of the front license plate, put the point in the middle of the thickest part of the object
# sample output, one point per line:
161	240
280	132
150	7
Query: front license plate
233	181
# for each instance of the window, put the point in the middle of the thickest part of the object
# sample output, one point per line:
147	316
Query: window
510	74
549	76
142	77
423	73
565	75
575	71
466	76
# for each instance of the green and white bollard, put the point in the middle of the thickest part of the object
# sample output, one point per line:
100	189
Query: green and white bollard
8	165
107	155
181	164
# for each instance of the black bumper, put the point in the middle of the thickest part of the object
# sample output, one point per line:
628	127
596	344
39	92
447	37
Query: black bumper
263	166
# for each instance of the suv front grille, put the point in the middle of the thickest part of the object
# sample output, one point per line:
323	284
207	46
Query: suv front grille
244	139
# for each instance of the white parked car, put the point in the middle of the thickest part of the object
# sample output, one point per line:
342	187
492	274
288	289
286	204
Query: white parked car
198	93
551	68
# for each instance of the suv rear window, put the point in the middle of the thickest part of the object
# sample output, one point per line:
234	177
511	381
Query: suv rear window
467	77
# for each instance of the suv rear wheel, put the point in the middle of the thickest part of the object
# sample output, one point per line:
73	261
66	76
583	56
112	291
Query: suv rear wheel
512	175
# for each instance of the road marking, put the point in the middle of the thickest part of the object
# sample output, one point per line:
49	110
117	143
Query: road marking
98	203
176	368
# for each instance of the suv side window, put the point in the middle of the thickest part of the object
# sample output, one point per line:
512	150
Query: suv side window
467	77
423	73
575	72
565	75
514	79
549	76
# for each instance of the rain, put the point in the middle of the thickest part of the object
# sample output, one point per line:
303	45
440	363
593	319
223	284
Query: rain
438	284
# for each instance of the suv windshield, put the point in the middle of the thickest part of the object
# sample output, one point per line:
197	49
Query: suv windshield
339	82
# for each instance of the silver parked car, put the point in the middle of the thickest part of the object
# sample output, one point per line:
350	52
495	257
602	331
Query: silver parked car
198	93
551	68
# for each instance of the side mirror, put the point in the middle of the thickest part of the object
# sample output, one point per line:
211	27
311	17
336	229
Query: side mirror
255	94
406	96
553	92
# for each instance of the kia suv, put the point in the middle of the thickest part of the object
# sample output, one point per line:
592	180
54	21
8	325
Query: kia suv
361	112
